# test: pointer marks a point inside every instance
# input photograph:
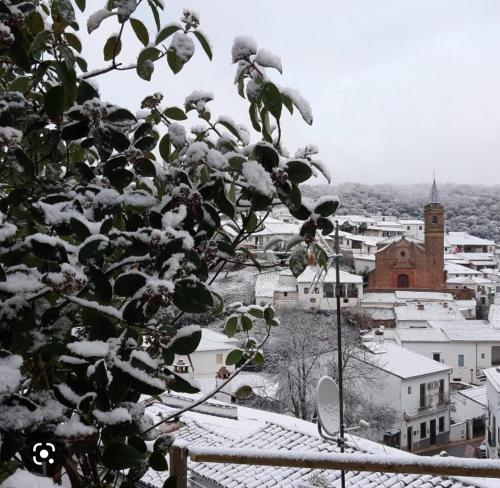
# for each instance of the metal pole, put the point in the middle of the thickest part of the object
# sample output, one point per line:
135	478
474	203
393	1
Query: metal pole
339	346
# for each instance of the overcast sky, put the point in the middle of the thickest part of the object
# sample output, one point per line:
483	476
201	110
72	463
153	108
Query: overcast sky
398	88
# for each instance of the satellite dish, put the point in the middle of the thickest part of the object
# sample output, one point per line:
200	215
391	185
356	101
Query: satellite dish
327	400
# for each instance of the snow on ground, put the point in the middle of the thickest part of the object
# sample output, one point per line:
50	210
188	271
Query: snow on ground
236	286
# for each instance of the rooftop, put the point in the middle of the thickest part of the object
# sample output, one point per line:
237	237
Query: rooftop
310	274
467	330
427	296
423	334
256	429
493	376
476	394
465	239
453	268
212	340
401	362
423	312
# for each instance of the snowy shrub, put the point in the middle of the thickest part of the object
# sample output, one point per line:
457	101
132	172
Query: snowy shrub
109	223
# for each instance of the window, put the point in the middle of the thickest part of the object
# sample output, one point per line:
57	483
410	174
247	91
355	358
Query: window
403	281
434	219
218	358
407	227
423	430
328	290
306	291
312	300
422	395
402	254
419	227
436	356
461	360
495	355
482	355
409	390
441	424
285	293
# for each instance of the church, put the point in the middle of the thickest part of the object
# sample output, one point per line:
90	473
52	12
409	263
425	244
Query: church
410	263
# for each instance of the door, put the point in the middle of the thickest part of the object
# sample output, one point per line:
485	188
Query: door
433	432
409	438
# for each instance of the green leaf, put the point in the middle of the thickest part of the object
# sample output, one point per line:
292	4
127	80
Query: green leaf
156	15
192	296
230	127
76	130
186	344
204	43
254	116
175	113
327	207
234	357
140	31
246	322
171	482
243	392
164	147
86	91
121	177
298	171
121	115
132	381
221	199
62	11
127	284
256	312
231	326
267	156
80	4
47	251
26	162
287	102
258	359
167	31
174	61
120	456
271	97
79	229
54	101
326	226
73	41
89	250
269	313
145	167
180	385
102	286
145	62
112	48
298	262
21	84
158	462
146	143
3	275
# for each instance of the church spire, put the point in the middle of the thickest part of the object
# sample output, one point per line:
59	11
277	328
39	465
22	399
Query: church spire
434	196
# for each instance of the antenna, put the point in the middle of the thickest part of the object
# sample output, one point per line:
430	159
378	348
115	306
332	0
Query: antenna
327	401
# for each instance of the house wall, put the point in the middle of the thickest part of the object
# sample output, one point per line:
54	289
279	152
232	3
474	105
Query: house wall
206	364
314	299
493	421
396	395
473	353
463	408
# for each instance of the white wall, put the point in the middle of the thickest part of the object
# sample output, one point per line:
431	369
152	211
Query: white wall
322	303
493	412
205	363
464	408
449	351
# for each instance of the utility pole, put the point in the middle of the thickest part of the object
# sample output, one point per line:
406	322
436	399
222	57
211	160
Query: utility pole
339	346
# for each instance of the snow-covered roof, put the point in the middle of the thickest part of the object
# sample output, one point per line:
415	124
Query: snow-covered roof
424	296
386	228
465	239
427	311
392	240
494	314
266	284
376	297
476	394
364	257
311	271
453	268
368	240
423	334
255	429
476	256
278	227
376	313
493	376
411	222
401	362
467	330
212	340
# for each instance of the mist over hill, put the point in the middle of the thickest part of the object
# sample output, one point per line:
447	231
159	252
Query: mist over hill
469	208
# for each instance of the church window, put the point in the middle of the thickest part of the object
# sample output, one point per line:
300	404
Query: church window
403	254
403	281
434	219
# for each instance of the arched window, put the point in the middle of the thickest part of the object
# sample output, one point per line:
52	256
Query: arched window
403	281
434	219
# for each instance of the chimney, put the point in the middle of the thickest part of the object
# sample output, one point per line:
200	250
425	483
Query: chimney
225	395
420	306
379	335
445	304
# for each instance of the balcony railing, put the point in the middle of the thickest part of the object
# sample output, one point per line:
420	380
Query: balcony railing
434	400
437	466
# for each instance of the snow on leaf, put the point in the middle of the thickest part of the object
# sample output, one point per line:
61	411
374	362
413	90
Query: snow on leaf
268	59
243	48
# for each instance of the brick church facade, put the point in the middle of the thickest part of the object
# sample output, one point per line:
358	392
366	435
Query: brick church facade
408	263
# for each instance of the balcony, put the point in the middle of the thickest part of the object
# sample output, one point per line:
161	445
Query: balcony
434	400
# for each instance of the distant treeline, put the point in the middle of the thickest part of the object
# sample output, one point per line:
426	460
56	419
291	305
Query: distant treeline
469	208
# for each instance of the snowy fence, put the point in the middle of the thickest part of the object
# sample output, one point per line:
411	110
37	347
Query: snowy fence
405	464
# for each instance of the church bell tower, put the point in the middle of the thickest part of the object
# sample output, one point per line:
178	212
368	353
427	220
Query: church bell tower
434	238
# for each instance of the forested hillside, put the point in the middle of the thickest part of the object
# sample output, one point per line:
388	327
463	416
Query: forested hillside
471	208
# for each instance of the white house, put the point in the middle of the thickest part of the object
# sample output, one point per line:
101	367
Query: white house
468	409
208	358
413	228
493	412
459	242
417	314
417	387
316	289
467	346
